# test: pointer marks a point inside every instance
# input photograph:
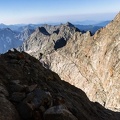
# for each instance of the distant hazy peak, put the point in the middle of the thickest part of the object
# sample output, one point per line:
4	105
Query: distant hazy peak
7	29
69	24
2	24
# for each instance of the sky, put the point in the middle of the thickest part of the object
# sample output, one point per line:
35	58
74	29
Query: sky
53	11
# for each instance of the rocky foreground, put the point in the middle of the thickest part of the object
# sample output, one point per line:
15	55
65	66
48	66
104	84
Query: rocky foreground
28	91
91	63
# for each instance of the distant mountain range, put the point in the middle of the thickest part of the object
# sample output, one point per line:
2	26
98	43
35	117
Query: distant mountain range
19	27
104	23
8	40
91	26
12	36
90	22
12	39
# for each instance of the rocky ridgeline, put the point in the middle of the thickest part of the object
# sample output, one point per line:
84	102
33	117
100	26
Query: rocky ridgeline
28	91
91	63
47	39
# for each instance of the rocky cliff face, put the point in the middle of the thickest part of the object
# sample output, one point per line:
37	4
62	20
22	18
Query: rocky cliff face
28	91
88	62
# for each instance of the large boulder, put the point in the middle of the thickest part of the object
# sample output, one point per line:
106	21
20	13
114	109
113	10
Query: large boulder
7	110
59	113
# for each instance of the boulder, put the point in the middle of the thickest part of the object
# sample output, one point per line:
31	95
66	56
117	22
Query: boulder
16	88
31	88
3	90
17	96
7	110
41	98
58	113
14	82
25	111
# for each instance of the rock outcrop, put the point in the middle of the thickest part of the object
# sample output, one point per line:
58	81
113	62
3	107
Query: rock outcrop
88	62
28	91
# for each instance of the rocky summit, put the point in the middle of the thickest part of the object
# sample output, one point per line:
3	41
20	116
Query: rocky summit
90	62
28	91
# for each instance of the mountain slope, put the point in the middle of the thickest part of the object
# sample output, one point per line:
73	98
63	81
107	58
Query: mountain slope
88	62
8	40
11	39
29	91
25	33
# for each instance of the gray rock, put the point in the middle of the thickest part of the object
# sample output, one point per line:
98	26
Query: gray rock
16	88
58	113
31	88
7	110
17	97
14	82
41	98
25	111
3	90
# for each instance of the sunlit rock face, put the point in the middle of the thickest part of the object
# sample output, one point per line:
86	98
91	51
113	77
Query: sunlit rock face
91	63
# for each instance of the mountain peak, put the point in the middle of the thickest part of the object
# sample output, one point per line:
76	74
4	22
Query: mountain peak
2	24
69	24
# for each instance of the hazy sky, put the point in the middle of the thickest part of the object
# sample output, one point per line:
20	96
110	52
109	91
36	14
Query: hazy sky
43	11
